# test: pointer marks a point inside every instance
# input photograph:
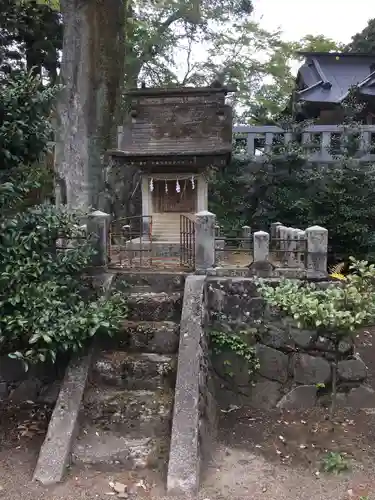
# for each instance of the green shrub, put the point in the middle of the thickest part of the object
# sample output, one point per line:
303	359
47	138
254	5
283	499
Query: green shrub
290	189
46	304
336	311
25	128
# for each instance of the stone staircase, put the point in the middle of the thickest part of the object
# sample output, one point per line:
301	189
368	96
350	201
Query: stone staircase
166	226
126	416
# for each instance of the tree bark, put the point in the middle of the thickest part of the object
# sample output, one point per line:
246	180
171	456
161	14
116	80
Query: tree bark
92	72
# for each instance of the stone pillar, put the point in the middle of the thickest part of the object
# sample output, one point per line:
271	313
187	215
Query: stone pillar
317	249
204	240
98	228
274	241
261	246
202	193
302	247
274	231
292	256
283	235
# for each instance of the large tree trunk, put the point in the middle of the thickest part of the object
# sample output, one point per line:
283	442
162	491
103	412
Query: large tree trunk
92	72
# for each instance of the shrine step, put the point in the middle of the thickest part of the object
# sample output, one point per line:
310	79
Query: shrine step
133	371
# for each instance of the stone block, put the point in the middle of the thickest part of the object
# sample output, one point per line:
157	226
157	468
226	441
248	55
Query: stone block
309	370
131	413
109	449
303	338
341	400
244	310
216	298
265	394
28	390
159	337
299	398
3	391
151	306
346	346
11	370
231	366
361	397
273	363
49	393
276	337
351	370
272	314
135	371
324	344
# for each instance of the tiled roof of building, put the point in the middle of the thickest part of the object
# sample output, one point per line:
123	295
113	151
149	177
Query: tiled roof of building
328	77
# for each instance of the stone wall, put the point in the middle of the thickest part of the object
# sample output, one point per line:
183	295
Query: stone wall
295	366
41	383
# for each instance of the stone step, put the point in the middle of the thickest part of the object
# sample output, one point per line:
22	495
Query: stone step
161	337
157	281
150	306
109	451
147	371
130	413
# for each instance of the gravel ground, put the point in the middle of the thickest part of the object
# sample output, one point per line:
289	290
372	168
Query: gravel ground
239	474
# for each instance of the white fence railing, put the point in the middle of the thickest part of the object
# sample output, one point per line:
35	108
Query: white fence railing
319	140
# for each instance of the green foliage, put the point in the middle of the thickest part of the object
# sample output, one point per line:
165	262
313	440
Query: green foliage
25	128
223	342
30	37
335	311
364	42
227	196
287	187
335	463
338	310
157	33
47	304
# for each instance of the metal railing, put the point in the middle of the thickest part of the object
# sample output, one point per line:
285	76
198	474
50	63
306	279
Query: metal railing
130	242
187	242
235	248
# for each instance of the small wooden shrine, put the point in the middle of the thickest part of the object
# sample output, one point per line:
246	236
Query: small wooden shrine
174	135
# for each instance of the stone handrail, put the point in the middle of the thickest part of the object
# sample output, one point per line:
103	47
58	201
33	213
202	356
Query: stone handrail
321	137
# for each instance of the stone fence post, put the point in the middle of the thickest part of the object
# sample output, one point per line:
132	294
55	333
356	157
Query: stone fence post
261	246
98	228
274	229
317	250
204	240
